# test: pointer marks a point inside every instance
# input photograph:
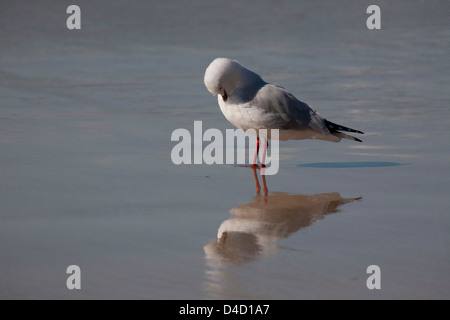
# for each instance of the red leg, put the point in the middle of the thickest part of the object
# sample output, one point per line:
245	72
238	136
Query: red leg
255	157
264	154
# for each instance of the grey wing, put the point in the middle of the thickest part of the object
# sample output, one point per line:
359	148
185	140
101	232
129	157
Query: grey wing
284	111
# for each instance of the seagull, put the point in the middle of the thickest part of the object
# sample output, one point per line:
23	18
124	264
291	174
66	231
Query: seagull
248	102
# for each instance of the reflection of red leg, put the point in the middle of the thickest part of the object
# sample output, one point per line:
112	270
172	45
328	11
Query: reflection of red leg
265	189
258	186
255	157
264	154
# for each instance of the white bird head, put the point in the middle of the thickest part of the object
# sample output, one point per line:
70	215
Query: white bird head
223	76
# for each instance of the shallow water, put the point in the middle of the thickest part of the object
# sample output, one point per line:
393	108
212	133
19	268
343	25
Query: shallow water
86	176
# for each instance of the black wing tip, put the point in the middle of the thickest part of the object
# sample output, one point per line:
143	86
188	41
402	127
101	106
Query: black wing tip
333	127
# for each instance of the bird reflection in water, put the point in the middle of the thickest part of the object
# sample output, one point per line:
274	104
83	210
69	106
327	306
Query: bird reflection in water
257	226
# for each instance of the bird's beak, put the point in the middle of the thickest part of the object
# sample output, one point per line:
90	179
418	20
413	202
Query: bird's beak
224	95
